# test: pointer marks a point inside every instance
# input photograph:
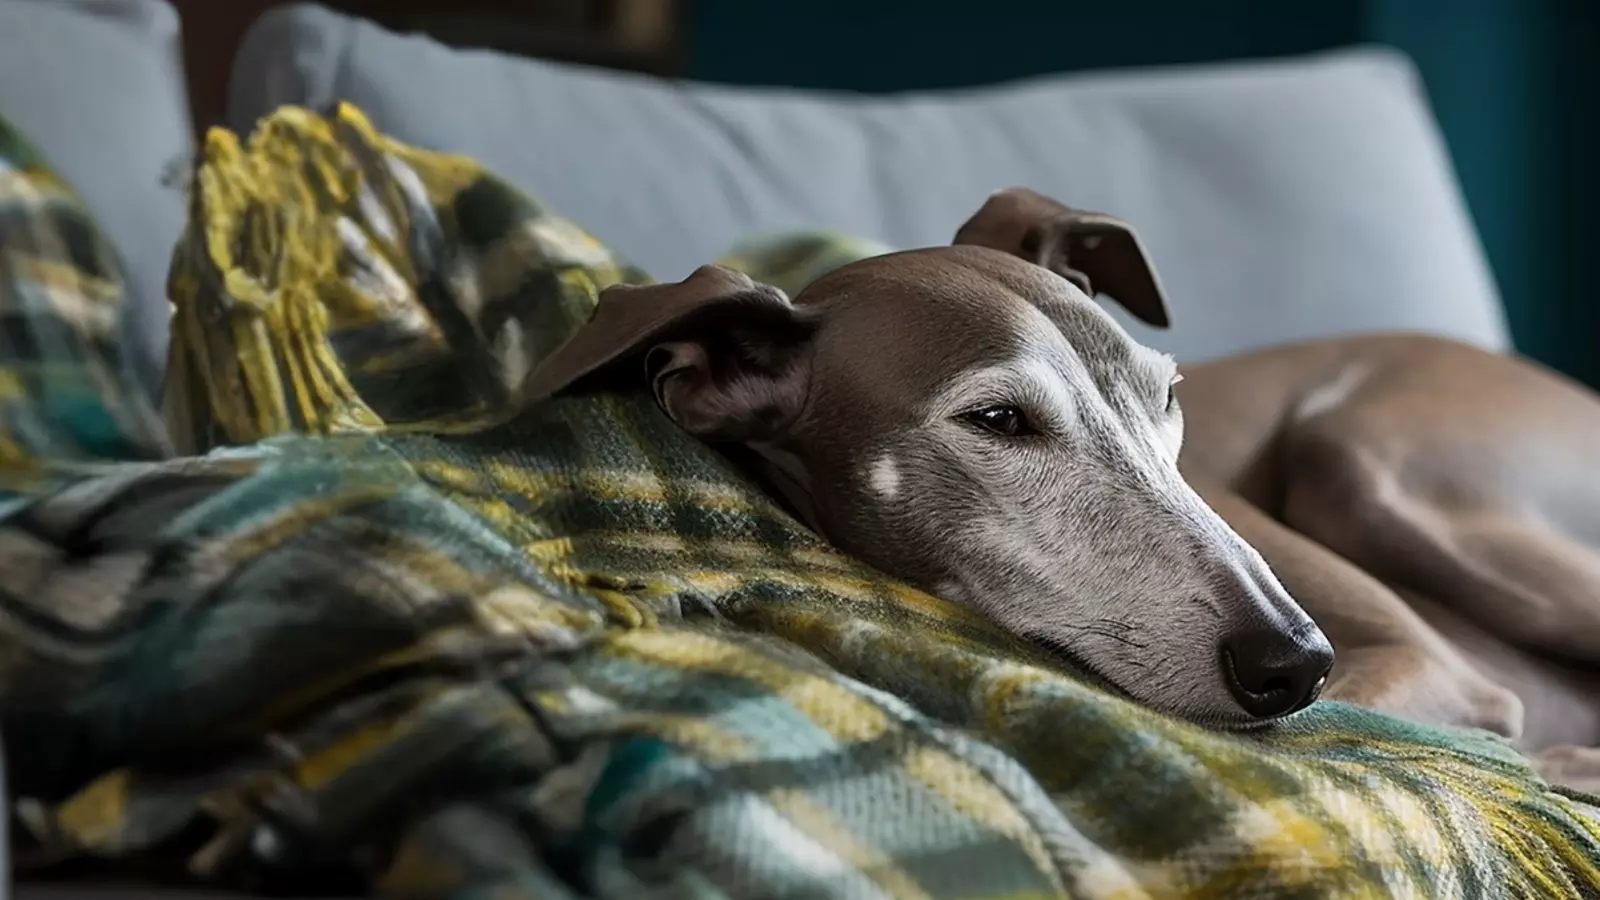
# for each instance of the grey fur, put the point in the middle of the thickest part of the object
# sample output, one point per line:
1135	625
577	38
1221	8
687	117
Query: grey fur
1084	538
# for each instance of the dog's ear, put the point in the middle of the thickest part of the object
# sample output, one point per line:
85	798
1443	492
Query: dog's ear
725	355
1095	251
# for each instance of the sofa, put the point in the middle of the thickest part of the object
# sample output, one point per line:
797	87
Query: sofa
1282	200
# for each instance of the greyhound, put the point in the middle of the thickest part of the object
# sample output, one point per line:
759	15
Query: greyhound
1436	509
968	419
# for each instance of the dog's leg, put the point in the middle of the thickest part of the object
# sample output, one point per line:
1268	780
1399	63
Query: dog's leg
1389	658
1559	701
1423	526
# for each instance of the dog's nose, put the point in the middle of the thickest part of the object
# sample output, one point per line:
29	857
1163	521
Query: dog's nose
1272	673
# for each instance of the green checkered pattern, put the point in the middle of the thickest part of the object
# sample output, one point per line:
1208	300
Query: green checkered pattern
62	379
391	633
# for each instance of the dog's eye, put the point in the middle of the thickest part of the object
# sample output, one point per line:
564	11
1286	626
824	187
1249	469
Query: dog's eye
1172	392
1007	421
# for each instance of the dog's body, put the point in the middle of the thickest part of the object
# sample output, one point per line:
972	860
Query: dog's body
1434	507
968	419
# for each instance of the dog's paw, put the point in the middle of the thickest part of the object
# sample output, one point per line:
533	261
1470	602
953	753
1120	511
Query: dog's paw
1577	768
1398	682
1495	709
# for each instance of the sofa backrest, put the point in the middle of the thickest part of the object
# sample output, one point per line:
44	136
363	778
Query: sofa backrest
1281	200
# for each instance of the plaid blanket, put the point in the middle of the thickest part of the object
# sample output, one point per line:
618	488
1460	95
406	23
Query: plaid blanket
390	633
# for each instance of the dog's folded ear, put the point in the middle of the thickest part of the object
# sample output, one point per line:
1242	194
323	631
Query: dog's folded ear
725	355
1097	252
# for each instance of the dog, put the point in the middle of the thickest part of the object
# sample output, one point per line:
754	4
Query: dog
1435	508
969	419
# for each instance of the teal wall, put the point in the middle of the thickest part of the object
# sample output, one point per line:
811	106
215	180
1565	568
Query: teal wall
1515	85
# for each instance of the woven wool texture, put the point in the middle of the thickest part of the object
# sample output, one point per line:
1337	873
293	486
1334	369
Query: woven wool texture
379	628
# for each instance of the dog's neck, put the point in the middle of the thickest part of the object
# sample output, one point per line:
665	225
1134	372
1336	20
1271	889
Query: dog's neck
782	474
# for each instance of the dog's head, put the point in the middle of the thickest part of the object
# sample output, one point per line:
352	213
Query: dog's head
969	419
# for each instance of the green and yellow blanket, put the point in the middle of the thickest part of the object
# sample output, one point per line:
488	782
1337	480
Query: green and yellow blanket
344	617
